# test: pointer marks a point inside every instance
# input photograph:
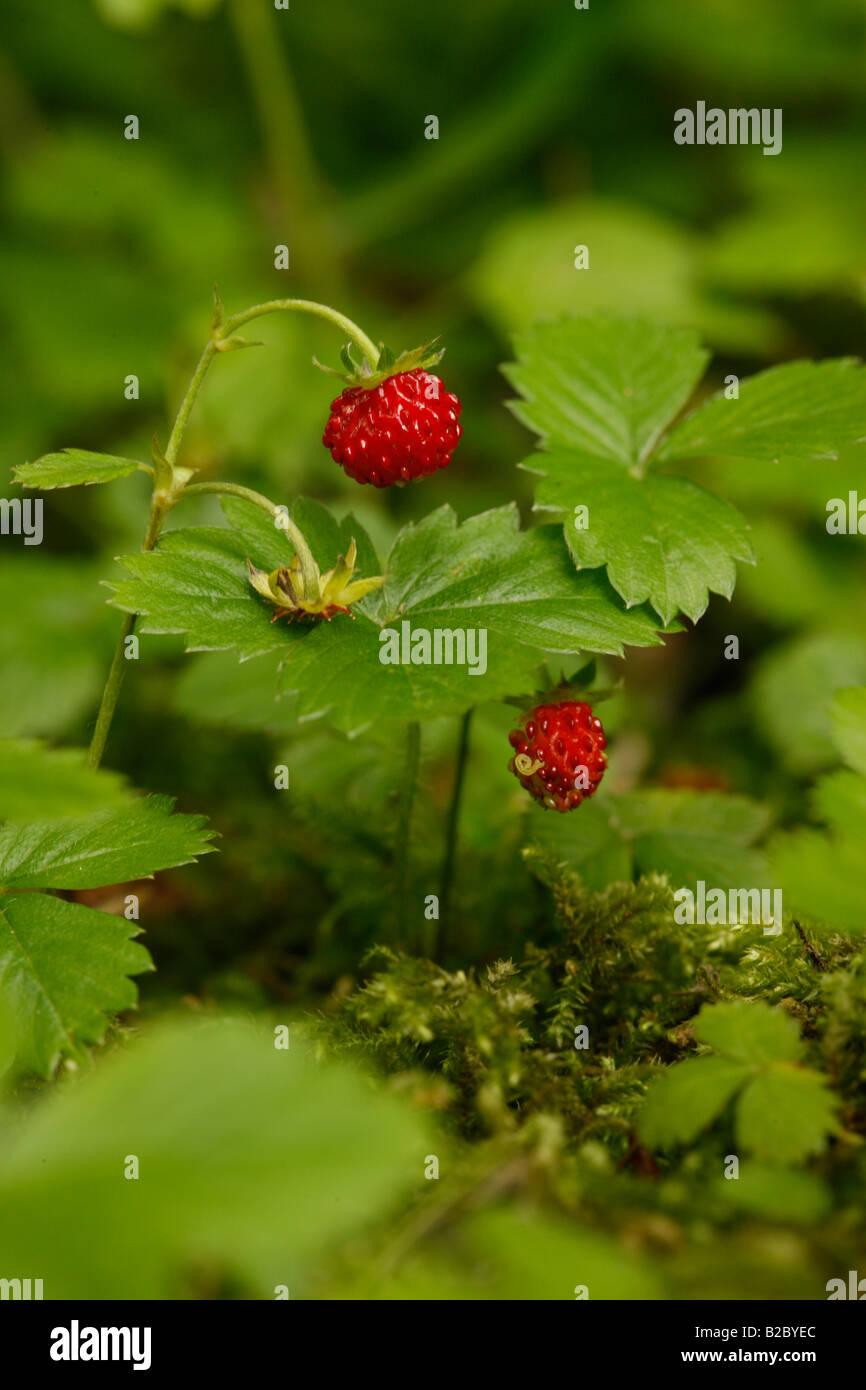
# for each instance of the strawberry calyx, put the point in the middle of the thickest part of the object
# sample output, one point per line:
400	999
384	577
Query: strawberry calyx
365	375
313	597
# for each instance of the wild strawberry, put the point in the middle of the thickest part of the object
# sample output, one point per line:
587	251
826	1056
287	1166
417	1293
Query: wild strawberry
401	429
559	754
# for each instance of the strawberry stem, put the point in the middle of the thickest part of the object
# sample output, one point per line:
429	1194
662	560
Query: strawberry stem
309	568
404	821
451	833
305	306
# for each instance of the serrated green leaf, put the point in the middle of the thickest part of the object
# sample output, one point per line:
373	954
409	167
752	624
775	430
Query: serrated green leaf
63	969
37	781
107	847
605	386
192	1102
749	1032
687	1099
785	1114
848	723
518	586
688	835
72	467
799	410
662	539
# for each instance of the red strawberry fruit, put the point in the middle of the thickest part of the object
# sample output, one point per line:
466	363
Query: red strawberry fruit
402	428
559	754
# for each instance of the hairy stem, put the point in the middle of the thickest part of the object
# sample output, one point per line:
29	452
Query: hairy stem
306	306
281	515
186	405
404	822
451	831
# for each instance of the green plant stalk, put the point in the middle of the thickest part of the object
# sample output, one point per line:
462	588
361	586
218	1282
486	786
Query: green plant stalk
296	536
117	670
404	823
447	877
168	490
298	183
305	306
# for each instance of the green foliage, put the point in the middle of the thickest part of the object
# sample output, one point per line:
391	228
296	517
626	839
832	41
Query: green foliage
783	1112
212	1212
55	635
792	690
661	538
64	971
33	776
486	574
505	1043
799	410
687	835
106	847
73	466
824	874
63	967
604	387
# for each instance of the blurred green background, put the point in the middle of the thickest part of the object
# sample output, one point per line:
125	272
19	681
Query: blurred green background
306	127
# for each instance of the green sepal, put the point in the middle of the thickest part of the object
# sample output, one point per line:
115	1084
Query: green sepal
387	364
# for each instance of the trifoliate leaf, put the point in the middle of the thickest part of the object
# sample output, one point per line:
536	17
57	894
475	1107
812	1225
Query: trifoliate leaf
663	539
783	1111
799	410
600	392
107	847
37	782
604	386
497	596
785	1114
63	969
74	466
750	1032
687	1098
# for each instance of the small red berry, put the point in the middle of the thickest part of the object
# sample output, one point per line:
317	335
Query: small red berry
401	429
559	754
